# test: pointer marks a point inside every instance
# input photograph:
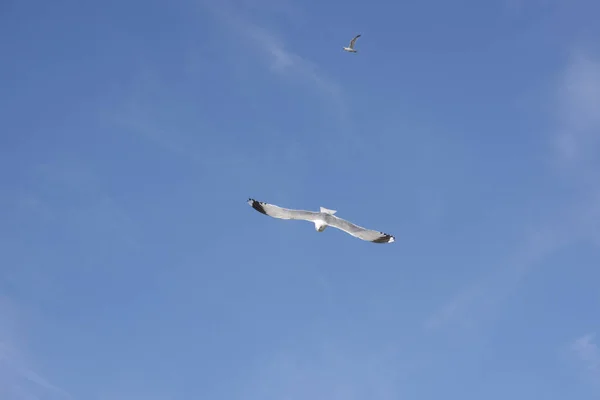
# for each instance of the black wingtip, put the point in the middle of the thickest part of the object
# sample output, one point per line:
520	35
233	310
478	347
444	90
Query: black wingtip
386	238
257	206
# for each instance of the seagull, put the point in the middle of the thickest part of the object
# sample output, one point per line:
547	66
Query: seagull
322	220
350	48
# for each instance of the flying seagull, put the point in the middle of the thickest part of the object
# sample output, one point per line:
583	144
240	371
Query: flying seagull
322	220
350	48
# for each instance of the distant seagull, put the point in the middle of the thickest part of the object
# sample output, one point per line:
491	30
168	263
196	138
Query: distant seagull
321	220
350	48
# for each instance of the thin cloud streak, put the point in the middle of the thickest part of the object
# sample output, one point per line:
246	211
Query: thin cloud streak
254	41
18	379
138	111
278	57
479	298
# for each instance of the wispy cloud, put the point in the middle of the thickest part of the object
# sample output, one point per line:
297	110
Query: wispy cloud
246	42
588	353
577	105
18	379
453	309
250	39
481	296
277	55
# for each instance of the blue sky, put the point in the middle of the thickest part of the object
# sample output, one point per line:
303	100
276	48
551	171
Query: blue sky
132	134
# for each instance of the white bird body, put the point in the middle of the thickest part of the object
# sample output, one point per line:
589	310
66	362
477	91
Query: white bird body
350	48
320	225
322	220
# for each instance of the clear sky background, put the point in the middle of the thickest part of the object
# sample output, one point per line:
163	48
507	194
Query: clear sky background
132	134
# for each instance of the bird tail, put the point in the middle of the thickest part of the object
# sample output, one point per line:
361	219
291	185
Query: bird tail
328	211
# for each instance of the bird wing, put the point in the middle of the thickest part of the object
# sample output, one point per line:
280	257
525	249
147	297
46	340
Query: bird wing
353	41
282	213
358	231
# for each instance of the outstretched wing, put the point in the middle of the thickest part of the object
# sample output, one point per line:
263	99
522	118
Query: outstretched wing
282	213
353	41
358	231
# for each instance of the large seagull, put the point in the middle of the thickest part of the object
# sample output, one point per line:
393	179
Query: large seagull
322	220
